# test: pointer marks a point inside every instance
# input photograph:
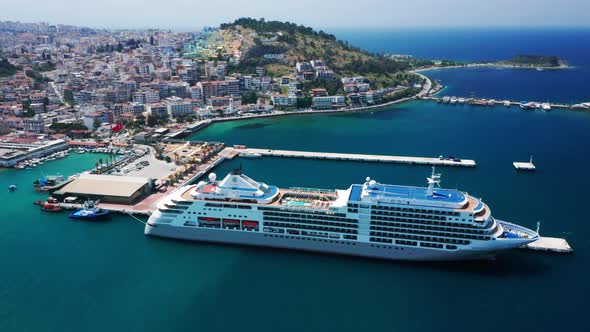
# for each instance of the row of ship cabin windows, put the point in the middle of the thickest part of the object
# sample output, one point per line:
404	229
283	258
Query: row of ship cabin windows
422	238
229	206
285	210
387	220
392	208
205	213
430	228
309	216
411	231
311	227
409	243
412	215
313	222
309	239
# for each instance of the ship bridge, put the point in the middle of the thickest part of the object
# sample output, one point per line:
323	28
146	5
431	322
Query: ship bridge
372	191
235	186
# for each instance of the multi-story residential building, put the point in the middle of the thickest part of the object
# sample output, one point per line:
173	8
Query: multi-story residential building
284	100
325	74
146	96
328	102
35	124
285	80
177	107
319	92
246	82
156	109
197	93
217	102
220	88
303	67
317	63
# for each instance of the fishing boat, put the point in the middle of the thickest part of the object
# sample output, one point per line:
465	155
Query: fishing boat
48	207
527	105
89	212
48	182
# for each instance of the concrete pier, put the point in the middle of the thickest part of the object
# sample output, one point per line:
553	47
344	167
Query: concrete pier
362	157
550	244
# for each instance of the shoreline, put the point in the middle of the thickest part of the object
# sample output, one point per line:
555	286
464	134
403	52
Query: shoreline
426	89
310	112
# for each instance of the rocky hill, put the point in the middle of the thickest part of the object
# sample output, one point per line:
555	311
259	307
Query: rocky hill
292	43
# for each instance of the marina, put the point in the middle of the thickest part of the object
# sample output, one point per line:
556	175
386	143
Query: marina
546	106
440	161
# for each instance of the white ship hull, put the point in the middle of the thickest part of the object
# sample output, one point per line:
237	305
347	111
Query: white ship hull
353	248
369	220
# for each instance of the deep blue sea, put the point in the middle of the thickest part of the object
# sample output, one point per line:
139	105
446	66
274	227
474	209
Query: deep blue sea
62	275
566	86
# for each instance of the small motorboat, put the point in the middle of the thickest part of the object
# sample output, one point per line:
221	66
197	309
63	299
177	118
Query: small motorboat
50	207
250	155
38	202
89	212
12	187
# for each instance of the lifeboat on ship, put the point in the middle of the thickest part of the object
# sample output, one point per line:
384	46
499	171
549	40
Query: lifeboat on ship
248	224
231	222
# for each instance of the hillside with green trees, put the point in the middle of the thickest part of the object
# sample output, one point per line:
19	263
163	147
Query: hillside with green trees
6	68
300	43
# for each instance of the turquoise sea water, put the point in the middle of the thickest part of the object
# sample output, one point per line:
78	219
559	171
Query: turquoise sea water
61	275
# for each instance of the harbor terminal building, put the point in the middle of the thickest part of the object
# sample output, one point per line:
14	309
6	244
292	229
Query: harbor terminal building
107	188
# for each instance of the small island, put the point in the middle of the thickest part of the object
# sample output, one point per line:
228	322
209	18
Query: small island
520	61
535	61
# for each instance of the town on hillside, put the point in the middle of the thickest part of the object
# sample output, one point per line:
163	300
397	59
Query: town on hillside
78	84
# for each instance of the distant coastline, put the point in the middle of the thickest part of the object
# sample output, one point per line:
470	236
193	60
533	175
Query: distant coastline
491	65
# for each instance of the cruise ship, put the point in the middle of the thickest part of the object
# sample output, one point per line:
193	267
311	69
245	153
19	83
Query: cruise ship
370	219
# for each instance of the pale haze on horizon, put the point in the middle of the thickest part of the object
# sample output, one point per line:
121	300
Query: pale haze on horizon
189	14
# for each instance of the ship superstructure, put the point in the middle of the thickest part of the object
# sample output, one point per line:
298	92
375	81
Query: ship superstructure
369	219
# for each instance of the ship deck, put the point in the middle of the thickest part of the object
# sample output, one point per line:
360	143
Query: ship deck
291	198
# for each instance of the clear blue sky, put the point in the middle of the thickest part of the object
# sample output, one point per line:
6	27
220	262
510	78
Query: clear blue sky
187	14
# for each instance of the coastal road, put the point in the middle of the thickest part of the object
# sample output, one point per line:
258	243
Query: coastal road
426	87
